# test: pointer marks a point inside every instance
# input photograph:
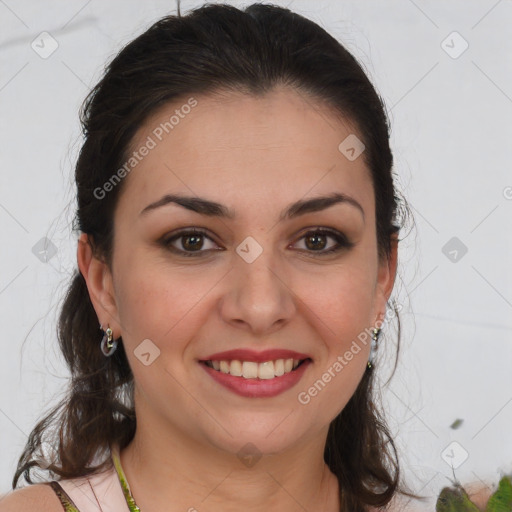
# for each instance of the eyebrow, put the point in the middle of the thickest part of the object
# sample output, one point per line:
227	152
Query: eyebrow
214	209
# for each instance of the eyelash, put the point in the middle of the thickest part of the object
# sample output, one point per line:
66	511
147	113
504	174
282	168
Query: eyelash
340	238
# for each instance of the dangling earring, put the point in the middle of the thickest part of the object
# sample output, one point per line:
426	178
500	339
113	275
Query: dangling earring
108	346
373	349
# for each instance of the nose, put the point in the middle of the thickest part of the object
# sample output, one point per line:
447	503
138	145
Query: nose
259	298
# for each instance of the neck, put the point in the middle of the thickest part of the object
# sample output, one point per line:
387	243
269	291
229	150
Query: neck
174	472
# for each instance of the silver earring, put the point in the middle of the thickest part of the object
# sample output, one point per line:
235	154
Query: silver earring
108	345
373	349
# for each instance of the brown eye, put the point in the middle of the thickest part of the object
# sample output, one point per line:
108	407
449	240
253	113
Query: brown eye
317	241
189	243
192	242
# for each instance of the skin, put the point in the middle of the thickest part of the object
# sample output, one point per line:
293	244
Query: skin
239	150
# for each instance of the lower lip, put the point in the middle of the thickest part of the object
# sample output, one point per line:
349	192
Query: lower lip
258	388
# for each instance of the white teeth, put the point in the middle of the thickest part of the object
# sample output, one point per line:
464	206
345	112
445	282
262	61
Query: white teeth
235	368
252	370
249	369
266	370
279	367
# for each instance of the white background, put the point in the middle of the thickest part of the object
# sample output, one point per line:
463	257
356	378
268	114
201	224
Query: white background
451	137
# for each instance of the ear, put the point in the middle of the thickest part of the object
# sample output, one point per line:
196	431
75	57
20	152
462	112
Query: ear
385	280
99	284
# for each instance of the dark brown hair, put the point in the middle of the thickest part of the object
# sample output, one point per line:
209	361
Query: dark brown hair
213	48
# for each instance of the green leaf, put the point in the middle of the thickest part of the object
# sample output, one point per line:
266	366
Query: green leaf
457	423
501	500
455	499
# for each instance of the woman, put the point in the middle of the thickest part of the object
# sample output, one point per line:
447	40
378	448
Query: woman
237	255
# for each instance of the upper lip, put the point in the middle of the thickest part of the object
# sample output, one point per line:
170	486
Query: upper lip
243	354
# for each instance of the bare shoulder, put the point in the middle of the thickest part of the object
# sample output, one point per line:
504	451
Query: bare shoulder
31	498
479	494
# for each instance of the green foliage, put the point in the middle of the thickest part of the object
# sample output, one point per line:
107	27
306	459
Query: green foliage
456	499
501	500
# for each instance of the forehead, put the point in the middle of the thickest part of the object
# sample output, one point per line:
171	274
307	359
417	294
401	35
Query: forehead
280	146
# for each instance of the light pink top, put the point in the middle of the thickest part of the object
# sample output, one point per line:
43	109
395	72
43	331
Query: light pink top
100	492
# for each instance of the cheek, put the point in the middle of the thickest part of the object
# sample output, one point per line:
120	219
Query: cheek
340	311
341	300
155	302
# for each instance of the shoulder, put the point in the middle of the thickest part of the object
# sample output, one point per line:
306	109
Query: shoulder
479	493
31	498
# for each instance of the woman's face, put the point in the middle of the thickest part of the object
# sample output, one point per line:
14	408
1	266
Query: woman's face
256	277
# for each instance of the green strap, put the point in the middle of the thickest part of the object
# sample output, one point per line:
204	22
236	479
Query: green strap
67	502
123	481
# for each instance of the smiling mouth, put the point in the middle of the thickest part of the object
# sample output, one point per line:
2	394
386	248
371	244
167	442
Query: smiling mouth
252	370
